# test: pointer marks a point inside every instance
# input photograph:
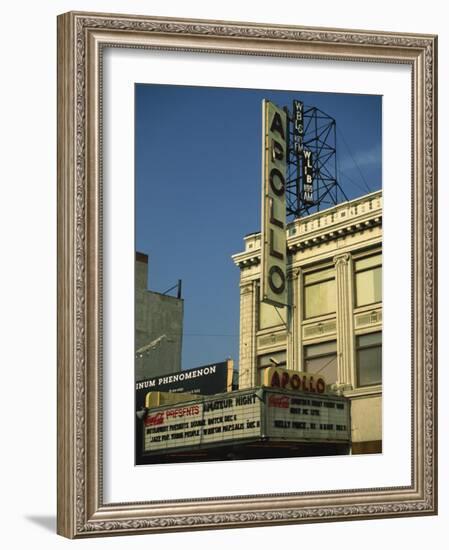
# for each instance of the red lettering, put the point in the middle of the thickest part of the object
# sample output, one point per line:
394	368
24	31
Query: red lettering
275	381
279	401
295	382
183	411
284	379
154	419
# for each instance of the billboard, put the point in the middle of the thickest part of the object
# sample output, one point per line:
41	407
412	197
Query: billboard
204	380
274	242
256	415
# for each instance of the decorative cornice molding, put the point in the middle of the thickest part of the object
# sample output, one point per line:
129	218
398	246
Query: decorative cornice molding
258	31
295	244
236	519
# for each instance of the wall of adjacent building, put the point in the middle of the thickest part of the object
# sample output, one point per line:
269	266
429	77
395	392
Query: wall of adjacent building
158	327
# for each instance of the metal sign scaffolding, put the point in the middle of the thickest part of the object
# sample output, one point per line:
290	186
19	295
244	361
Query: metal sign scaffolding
311	182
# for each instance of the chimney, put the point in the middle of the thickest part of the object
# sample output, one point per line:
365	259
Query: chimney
141	273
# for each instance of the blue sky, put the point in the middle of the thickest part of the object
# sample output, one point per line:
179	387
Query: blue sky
198	192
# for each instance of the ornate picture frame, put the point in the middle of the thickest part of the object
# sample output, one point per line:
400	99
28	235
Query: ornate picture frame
82	39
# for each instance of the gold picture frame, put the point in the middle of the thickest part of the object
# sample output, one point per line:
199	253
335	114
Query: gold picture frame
82	38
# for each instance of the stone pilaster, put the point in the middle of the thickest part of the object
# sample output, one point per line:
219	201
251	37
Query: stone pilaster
247	362
293	320
345	323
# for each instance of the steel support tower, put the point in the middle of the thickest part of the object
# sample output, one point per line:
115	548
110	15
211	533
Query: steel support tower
311	182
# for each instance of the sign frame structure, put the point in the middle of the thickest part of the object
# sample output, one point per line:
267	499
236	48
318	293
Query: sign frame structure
82	506
273	284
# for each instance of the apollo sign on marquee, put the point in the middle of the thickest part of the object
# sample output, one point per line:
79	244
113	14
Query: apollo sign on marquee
274	242
285	379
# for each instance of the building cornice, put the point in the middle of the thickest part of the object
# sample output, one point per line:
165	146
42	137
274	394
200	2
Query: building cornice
335	223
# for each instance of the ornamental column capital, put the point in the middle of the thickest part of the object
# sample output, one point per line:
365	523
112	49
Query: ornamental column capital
294	273
342	259
247	287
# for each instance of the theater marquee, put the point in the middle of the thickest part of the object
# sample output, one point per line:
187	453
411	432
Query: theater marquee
261	415
206	421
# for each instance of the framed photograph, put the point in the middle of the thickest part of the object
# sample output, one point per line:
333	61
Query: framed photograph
246	274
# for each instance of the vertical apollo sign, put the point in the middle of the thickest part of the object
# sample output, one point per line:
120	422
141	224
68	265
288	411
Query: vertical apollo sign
274	242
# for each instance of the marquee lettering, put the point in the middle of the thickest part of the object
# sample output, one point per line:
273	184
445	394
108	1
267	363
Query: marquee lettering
293	381
276	125
274	253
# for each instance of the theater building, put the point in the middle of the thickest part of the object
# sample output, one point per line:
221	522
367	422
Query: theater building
332	324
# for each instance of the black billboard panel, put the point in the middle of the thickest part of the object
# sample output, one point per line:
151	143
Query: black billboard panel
204	380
